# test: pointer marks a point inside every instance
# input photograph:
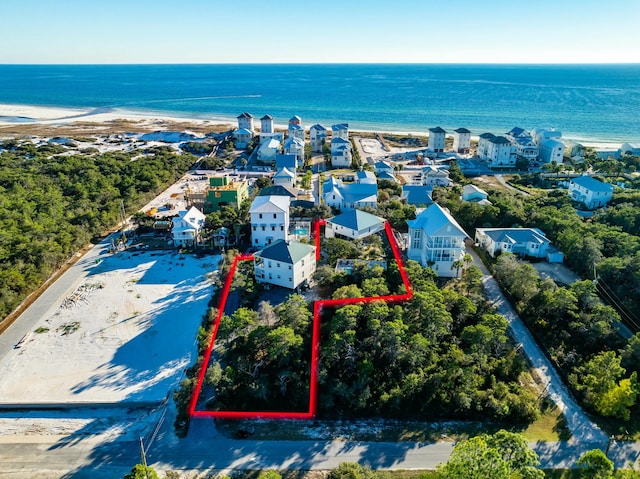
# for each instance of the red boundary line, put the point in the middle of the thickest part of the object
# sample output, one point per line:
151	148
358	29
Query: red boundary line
315	341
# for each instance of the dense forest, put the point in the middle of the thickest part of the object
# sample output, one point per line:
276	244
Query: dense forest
444	354
54	200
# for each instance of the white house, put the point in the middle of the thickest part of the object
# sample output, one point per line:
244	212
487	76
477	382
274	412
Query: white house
436	139
242	137
525	147
461	140
340	130
340	152
296	131
433	176
436	240
317	137
187	227
285	177
521	241
295	146
364	177
269	219
589	191
354	224
285	263
384	167
572	149
245	121
345	196
268	150
541	134
632	149
473	194
266	124
497	151
551	150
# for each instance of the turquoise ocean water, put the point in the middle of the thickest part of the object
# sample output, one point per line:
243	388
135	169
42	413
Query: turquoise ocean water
596	102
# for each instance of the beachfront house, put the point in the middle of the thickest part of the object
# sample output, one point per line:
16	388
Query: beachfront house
269	219
266	124
288	264
590	192
573	149
632	149
340	130
340	153
541	134
417	195
520	241
551	150
434	176
295	146
353	224
285	177
317	137
223	191
473	194
436	139
497	151
245	121
242	137
436	241
268	150
346	196
525	147
461	140
187	227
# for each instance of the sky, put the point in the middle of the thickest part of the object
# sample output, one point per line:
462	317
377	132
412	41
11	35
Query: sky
328	31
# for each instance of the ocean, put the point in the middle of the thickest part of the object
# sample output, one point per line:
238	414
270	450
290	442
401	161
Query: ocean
585	102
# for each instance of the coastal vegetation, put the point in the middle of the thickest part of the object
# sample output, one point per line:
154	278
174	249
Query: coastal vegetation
53	202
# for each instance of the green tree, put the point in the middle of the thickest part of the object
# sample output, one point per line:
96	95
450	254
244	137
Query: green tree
351	470
142	472
595	465
474	459
270	474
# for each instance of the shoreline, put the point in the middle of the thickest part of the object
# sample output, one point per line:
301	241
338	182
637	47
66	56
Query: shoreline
25	115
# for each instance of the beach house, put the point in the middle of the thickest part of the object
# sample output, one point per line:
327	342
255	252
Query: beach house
384	167
632	149
417	195
268	150
590	192
497	151
294	146
288	264
353	224
187	227
269	219
345	196
317	137
245	121
520	241
461	140
295	128
340	153
364	177
436	240
434	176
473	194
525	147
340	130
222	191
285	177
573	149
551	150
266	124
436	139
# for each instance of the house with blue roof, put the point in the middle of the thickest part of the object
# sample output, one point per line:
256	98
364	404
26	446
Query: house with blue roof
417	195
436	241
317	137
288	264
353	224
520	241
590	192
364	177
340	152
348	196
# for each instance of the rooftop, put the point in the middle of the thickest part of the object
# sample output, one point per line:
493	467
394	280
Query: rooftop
269	204
356	220
286	251
437	129
592	184
462	130
515	235
436	221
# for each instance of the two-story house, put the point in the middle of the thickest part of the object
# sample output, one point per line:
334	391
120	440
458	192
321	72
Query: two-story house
187	227
269	219
345	196
285	263
590	192
436	240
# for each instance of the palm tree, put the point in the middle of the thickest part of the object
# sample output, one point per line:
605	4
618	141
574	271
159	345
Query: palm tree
457	264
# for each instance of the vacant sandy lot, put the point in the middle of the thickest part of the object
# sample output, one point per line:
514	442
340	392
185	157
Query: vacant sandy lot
124	336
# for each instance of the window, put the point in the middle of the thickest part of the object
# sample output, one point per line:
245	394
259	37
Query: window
289	267
274	216
263	228
260	215
416	244
273	228
277	265
254	227
281	228
269	263
256	240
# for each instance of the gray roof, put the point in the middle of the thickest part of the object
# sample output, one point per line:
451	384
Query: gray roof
461	130
487	136
270	204
267	117
437	129
279	190
286	251
592	184
436	221
245	115
499	140
356	220
417	194
515	235
469	189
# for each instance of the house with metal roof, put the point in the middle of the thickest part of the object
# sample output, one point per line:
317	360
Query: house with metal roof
436	139
523	143
295	146
590	192
383	167
317	137
245	121
473	194
279	190
242	137
436	241
266	124
364	177
353	224
269	219
520	241
340	152
285	177
432	175
268	150
187	227
286	161
497	151
340	130
417	195
347	196
288	264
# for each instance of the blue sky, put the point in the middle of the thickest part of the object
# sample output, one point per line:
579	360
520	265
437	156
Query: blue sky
328	31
